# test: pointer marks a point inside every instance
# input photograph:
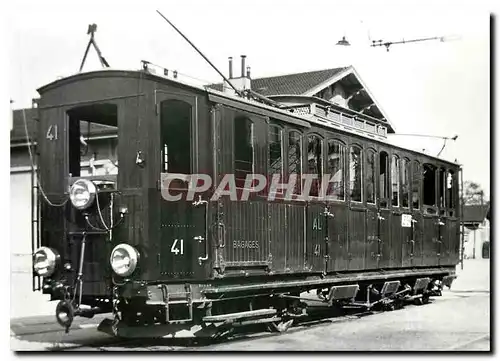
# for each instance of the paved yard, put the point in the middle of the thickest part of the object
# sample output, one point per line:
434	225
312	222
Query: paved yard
460	320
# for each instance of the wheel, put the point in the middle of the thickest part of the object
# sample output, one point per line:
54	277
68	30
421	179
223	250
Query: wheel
425	299
418	301
280	327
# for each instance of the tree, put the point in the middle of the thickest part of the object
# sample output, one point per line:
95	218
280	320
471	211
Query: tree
473	193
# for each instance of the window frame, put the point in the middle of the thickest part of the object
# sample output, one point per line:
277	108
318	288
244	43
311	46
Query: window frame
162	142
281	131
320	163
361	151
398	187
371	150
419	183
442	182
342	144
252	142
289	132
405	168
435	184
451	201
384	202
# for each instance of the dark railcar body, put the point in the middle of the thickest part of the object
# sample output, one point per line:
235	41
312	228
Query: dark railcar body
224	243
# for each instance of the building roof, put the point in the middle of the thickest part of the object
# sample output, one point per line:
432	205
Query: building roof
475	213
18	133
289	84
293	84
312	83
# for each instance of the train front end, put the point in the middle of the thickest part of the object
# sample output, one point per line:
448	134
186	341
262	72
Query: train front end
89	229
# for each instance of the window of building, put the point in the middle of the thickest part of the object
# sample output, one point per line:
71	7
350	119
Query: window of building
395	181
314	162
405	193
442	187
176	136
275	151
429	197
336	166
294	159
370	176
384	179
243	149
450	189
416	177
356	176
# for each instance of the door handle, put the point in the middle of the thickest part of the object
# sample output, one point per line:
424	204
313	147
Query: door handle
200	238
221	225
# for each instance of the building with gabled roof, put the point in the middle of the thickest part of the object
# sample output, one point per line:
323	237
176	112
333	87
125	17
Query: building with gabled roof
342	87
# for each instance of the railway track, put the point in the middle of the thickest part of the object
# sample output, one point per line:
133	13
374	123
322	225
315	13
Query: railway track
88	339
319	317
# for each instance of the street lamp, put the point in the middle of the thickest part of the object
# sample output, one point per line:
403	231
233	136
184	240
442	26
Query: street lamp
343	42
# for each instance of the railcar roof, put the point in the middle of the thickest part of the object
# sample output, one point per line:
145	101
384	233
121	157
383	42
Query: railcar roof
207	90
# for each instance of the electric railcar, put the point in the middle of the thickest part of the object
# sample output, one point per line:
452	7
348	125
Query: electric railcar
388	229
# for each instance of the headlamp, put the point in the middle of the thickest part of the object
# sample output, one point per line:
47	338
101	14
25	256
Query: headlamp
124	259
82	193
45	261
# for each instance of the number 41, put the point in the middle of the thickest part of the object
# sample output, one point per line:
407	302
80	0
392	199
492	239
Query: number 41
52	132
176	250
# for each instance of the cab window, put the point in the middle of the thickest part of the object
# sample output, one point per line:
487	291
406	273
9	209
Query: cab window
243	149
176	136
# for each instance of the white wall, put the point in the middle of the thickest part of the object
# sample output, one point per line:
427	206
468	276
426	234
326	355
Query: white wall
474	239
23	301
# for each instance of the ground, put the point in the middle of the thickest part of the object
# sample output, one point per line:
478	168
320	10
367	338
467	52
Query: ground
460	320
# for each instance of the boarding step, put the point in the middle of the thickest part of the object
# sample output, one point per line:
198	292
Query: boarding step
240	315
175	299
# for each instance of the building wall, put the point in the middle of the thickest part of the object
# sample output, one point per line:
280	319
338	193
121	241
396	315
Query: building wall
474	240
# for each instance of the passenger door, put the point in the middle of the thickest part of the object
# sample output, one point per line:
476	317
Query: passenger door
183	226
372	255
316	233
337	238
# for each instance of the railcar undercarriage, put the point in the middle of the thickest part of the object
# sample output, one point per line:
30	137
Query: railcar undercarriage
185	310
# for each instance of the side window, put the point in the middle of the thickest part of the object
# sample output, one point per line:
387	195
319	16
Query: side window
370	176
416	185
442	187
243	149
384	179
355	174
405	195
176	136
429	197
395	181
336	167
450	189
295	159
314	162
275	151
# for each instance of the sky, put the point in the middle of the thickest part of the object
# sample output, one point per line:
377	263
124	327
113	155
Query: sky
434	88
